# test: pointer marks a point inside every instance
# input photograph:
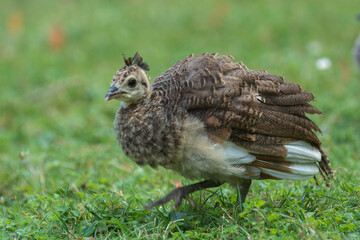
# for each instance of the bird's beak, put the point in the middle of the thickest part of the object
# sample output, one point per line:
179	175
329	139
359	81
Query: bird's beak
113	92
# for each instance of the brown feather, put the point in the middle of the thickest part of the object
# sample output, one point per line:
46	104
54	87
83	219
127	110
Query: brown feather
279	166
299	109
269	149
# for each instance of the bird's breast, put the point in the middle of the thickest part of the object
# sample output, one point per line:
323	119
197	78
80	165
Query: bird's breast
148	138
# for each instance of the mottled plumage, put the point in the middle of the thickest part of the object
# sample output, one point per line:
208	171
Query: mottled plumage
210	118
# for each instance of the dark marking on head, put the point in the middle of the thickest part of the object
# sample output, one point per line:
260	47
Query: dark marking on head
136	60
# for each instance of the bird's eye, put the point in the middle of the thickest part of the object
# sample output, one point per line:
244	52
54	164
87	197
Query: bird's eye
132	83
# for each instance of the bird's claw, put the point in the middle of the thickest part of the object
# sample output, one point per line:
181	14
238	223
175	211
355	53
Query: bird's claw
177	195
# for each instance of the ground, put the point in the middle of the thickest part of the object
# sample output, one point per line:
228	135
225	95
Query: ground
62	173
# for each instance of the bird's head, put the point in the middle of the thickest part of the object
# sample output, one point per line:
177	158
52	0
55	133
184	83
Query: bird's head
130	84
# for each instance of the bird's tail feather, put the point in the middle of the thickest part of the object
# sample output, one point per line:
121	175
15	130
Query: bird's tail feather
302	161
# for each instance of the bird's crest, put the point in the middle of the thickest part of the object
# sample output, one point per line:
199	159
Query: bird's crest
136	60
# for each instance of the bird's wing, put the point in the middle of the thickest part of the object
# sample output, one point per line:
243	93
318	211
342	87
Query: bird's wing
254	110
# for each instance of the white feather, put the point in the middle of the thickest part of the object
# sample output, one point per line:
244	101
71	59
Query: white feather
285	175
298	168
302	152
237	155
304	169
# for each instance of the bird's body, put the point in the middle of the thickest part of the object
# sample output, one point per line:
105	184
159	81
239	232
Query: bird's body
210	118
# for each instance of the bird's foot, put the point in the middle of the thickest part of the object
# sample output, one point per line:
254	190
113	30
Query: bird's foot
243	189
182	192
178	194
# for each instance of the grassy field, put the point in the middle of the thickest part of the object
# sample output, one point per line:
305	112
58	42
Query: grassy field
62	174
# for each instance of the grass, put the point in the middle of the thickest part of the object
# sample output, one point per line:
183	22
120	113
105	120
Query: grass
62	174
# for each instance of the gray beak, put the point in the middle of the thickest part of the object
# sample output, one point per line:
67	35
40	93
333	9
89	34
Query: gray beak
113	93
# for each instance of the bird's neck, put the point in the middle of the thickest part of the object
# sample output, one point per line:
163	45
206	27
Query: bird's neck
131	102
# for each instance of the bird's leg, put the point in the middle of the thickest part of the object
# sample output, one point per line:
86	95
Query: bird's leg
183	192
242	191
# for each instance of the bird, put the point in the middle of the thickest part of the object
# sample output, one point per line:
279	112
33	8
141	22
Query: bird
211	119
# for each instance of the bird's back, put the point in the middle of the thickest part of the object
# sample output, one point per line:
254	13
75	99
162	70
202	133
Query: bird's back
247	111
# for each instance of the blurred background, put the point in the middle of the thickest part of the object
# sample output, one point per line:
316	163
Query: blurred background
58	57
